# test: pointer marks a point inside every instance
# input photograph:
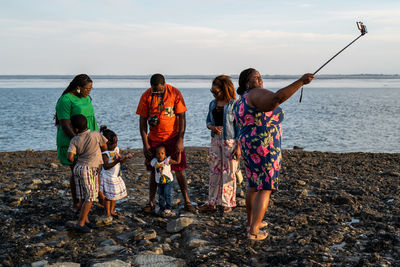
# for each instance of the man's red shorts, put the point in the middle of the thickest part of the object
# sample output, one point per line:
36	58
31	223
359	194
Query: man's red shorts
170	147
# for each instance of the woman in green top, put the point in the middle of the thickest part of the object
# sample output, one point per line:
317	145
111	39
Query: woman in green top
74	100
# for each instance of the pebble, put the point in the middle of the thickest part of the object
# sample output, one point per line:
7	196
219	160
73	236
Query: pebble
301	182
157	260
179	224
53	165
104	220
105	251
64	264
114	263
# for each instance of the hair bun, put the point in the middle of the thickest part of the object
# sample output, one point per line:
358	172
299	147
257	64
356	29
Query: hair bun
240	90
103	128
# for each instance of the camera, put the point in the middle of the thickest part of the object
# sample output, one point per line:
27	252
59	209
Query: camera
154	121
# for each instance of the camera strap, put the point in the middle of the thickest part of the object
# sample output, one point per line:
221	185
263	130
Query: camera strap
160	104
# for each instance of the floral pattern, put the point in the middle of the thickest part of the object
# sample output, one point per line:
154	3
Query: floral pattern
260	141
222	186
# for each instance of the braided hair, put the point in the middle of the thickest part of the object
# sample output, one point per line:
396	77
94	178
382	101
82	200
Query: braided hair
80	80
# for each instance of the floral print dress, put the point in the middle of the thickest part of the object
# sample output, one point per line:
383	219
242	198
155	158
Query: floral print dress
260	143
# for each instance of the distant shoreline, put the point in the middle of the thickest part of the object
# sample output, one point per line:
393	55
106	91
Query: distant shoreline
205	76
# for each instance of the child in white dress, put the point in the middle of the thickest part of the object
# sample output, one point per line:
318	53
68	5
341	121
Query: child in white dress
111	184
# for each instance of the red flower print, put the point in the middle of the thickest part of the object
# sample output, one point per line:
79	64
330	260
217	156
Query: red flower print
277	165
249	119
271	172
262	151
256	159
255	177
248	173
241	110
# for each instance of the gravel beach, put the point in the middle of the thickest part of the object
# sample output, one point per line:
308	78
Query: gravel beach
332	209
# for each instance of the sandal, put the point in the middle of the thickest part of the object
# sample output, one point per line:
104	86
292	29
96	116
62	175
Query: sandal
92	225
82	229
262	225
189	207
207	207
260	236
148	208
227	209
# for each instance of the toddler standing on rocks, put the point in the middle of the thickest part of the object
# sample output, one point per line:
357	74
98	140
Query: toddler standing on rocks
164	178
87	146
111	184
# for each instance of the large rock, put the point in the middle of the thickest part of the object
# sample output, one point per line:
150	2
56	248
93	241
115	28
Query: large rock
41	263
179	224
108	242
104	220
149	234
114	263
195	242
157	261
64	264
125	237
105	251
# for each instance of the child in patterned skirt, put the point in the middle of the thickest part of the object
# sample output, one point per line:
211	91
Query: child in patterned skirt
111	184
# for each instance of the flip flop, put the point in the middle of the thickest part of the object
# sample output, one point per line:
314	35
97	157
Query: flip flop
227	209
260	236
92	225
207	207
189	207
82	229
148	208
262	225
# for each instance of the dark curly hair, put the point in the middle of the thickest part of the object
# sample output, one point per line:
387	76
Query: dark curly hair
243	80
110	135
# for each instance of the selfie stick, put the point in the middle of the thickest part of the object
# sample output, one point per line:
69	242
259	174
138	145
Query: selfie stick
363	30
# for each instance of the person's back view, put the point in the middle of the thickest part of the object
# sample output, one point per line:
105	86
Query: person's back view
87	146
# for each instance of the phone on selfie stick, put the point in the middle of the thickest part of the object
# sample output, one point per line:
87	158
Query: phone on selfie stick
363	30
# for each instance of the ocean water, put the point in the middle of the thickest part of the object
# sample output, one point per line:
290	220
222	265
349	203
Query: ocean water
338	113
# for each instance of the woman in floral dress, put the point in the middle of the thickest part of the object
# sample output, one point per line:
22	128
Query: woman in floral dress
259	117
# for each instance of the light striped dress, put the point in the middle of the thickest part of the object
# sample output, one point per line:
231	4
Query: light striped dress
111	183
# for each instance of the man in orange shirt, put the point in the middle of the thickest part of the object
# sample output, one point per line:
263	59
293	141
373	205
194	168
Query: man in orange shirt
162	107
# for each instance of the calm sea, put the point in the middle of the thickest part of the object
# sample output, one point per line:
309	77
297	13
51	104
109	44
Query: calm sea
338	113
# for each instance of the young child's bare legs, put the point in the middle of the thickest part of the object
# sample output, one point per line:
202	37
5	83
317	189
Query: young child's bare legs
102	199
113	212
110	207
83	218
72	186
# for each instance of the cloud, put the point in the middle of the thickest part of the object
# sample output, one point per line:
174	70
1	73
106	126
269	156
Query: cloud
125	48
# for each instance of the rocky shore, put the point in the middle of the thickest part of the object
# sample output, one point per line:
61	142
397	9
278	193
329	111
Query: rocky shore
332	209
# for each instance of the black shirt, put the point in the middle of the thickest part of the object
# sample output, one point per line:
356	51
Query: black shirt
218	114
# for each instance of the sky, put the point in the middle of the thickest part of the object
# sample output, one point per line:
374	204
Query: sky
205	37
